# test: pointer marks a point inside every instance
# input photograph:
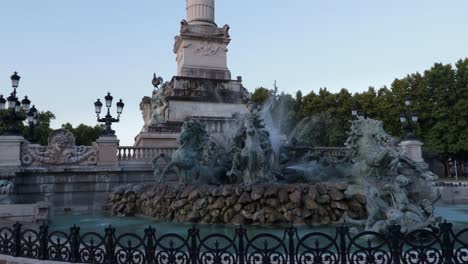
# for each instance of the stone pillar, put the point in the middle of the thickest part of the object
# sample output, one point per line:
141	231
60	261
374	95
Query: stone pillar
201	12
412	149
10	151
107	150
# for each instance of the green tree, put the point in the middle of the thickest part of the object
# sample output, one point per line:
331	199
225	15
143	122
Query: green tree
260	95
85	135
42	129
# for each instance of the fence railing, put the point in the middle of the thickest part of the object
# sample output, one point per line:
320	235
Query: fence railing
439	245
142	153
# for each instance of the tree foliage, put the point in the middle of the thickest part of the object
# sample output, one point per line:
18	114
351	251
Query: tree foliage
440	99
85	135
261	95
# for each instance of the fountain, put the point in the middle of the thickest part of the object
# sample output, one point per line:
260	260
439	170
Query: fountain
240	177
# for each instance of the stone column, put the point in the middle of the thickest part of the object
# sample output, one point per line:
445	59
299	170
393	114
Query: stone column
201	12
412	149
107	150
10	151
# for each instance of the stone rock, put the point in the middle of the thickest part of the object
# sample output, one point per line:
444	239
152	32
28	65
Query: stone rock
180	203
361	198
323	199
310	204
228	215
250	207
354	206
259	217
271	190
244	199
257	192
306	213
276	217
231	200
218	204
272	202
237	207
335	194
217	191
342	186
247	214
289	216
283	196
194	195
355	189
321	189
227	191
214	213
311	193
200	203
339	205
295	197
240	204
238	220
325	220
186	192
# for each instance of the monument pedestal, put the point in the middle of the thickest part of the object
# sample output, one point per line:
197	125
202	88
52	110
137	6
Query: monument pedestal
107	147
203	88
412	149
10	154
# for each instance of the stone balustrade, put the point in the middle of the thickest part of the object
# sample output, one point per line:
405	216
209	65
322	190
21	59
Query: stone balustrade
142	153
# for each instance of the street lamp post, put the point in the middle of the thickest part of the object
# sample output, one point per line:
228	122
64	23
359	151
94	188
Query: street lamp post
408	119
16	110
32	121
108	119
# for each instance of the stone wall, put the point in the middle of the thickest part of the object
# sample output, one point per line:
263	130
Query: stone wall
240	204
75	188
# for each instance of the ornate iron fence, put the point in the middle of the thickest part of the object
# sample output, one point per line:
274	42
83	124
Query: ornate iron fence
439	245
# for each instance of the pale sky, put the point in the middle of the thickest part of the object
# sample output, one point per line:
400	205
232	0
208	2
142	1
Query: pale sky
70	52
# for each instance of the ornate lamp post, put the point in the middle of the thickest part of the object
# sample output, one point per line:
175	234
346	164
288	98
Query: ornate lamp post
16	110
32	121
108	119
408	120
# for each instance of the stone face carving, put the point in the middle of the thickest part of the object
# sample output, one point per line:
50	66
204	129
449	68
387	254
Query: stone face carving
61	150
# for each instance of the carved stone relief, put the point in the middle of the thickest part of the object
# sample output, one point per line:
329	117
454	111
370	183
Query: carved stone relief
61	150
209	49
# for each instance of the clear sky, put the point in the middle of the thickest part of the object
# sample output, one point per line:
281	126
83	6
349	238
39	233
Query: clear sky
70	52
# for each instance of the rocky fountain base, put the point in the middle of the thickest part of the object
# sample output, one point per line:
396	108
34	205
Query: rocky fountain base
240	204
